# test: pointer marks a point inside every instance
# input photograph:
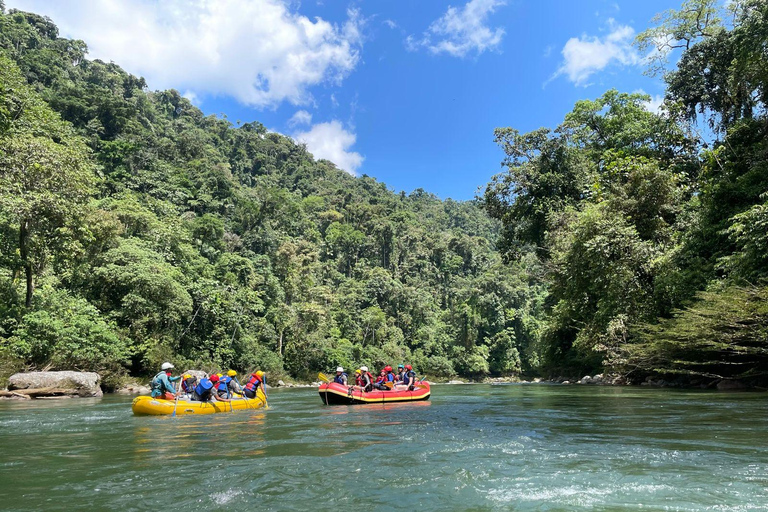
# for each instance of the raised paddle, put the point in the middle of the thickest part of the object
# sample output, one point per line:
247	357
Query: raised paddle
323	377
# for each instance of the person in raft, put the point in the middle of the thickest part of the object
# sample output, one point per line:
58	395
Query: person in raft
400	372
366	383
188	383
409	379
341	377
381	380
205	390
162	383
359	378
234	385
390	377
251	387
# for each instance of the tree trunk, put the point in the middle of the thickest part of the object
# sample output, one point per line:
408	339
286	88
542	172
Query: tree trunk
280	344
24	253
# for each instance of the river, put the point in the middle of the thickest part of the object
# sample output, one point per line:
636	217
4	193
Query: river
472	447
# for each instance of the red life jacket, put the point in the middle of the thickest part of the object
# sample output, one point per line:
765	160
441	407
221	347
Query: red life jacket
253	383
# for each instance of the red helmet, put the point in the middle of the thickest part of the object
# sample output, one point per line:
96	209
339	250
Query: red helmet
408	367
214	378
387	369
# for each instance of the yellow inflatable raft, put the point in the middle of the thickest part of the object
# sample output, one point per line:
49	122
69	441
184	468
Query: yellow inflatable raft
146	405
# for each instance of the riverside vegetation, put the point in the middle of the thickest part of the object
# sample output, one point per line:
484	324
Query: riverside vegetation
135	229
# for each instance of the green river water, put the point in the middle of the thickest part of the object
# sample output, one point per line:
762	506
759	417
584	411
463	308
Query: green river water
472	447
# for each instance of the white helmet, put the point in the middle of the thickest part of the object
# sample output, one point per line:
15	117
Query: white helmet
364	368
339	369
166	366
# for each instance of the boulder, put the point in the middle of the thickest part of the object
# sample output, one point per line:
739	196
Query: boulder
566	382
280	384
730	385
456	381
44	384
133	389
198	374
585	380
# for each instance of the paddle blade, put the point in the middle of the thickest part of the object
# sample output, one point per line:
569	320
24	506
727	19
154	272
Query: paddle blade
323	378
390	385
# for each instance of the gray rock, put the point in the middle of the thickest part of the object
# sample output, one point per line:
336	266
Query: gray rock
456	381
730	385
199	374
537	380
133	389
585	380
280	383
566	382
82	384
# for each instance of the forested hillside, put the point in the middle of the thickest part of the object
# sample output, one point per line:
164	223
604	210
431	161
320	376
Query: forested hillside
653	226
135	229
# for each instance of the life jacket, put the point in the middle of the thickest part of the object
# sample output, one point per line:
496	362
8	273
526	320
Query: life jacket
157	382
189	384
380	379
389	377
358	380
369	386
409	377
203	389
339	379
224	383
253	383
399	377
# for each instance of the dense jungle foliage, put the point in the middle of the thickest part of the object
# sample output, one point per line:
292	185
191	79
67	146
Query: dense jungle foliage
135	229
654	236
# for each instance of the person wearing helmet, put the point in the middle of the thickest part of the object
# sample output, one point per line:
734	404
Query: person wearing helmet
251	387
223	389
400	372
381	380
409	377
366	382
390	377
341	377
234	384
359	378
161	384
206	390
188	383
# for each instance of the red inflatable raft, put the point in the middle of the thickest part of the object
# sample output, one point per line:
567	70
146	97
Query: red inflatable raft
338	394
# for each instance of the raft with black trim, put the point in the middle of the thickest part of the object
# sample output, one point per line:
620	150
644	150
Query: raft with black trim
337	394
146	405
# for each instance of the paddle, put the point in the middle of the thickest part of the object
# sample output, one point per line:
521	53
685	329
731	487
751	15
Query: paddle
323	377
177	400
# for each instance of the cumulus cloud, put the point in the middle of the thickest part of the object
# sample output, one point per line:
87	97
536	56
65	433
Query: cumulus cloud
258	51
461	31
330	141
583	56
654	104
301	117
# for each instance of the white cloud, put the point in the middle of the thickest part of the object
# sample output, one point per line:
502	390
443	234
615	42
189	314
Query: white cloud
461	31
332	142
391	24
301	117
585	55
654	104
257	51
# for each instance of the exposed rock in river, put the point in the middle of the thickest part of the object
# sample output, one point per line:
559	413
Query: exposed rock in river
55	384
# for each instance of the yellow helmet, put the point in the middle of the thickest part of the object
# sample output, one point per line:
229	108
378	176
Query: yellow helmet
187	376
358	371
232	373
220	375
259	373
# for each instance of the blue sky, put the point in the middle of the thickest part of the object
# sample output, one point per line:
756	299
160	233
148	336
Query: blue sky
408	92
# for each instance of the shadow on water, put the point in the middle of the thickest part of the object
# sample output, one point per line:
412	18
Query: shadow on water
512	447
